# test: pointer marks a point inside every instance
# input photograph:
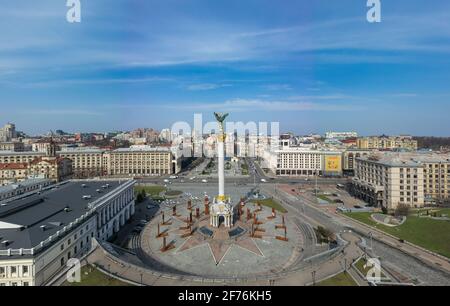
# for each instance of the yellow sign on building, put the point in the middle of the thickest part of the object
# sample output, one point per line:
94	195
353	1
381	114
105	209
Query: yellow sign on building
333	163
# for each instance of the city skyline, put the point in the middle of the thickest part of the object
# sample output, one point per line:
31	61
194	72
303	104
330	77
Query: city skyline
312	67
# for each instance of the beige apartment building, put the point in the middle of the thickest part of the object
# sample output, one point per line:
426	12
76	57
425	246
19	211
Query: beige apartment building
436	171
13	172
95	163
415	179
387	143
145	162
53	168
349	159
87	163
389	180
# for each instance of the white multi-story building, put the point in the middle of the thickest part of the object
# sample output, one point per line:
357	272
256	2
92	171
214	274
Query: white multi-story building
41	231
341	135
297	161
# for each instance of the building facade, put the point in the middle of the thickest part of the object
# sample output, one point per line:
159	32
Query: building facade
388	181
145	162
305	162
87	163
8	132
341	135
54	168
142	161
13	146
48	231
13	172
415	179
387	143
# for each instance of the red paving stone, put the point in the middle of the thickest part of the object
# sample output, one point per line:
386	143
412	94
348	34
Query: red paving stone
221	233
190	243
250	244
218	249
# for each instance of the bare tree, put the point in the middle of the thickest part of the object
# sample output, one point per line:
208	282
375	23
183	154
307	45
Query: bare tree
402	210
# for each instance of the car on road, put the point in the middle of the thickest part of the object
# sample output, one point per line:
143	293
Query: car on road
342	209
174	177
204	181
166	181
263	181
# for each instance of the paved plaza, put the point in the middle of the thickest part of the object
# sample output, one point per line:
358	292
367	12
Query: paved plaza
249	248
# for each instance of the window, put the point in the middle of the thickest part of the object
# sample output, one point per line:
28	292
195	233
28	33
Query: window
2	272
26	284
25	270
13	271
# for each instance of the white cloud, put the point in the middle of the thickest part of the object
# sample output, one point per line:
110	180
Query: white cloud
206	86
240	105
278	87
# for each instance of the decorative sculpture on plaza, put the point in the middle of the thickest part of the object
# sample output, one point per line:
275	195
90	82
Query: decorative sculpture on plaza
221	206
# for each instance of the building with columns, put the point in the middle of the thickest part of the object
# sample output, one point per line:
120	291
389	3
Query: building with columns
42	230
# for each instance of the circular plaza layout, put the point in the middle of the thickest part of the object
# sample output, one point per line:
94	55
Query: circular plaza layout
261	241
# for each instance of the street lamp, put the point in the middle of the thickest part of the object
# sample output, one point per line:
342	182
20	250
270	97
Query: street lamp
141	280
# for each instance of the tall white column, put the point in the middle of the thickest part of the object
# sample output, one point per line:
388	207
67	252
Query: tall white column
221	157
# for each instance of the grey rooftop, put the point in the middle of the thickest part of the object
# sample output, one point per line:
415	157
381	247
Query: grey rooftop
26	222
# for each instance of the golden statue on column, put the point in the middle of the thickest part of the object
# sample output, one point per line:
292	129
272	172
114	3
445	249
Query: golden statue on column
221	206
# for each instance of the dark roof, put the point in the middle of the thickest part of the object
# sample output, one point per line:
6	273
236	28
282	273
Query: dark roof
48	208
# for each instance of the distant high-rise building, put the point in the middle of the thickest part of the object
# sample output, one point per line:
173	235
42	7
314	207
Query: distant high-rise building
8	132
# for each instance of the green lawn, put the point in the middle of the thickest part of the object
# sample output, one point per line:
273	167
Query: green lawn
173	193
152	191
271	203
430	234
95	278
341	280
324	198
360	266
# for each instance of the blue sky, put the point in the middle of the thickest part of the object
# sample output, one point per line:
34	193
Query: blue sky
313	66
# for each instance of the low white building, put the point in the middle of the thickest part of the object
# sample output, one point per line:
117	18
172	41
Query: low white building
298	161
42	230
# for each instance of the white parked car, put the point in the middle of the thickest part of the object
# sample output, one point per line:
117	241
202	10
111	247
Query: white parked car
263	181
204	181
